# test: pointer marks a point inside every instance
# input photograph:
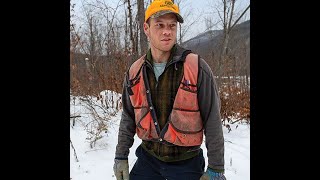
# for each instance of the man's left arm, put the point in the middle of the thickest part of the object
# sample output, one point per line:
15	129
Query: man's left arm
209	104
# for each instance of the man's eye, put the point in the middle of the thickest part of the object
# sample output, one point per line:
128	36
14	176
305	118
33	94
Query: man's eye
172	25
159	25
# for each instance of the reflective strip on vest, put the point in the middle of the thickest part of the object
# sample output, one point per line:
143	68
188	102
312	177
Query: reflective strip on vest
185	123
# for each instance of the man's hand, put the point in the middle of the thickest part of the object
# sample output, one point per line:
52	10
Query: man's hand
211	175
121	169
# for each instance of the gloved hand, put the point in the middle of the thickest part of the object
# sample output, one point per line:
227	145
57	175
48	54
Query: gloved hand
211	175
121	169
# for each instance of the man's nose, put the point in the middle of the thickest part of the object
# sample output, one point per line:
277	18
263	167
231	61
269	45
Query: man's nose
167	31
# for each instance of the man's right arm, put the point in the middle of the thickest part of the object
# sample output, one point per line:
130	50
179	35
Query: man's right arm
127	127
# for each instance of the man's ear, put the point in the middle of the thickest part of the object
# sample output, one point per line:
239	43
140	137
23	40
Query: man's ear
146	28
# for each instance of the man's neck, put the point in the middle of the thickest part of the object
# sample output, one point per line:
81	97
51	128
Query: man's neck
159	56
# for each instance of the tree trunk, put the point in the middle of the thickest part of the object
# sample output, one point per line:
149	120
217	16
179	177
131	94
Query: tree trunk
133	50
143	37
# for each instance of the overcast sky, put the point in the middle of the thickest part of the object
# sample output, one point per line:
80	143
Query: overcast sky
200	10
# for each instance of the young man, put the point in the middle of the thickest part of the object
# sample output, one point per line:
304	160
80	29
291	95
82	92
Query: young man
170	100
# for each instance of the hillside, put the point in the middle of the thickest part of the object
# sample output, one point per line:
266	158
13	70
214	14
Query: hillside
207	44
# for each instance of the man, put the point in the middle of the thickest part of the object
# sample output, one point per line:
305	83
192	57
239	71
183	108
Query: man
170	100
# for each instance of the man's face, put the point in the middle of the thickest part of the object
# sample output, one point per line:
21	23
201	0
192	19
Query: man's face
162	31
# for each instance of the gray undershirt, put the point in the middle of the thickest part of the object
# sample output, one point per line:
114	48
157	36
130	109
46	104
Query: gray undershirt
158	69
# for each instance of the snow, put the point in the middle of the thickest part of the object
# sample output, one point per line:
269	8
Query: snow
96	163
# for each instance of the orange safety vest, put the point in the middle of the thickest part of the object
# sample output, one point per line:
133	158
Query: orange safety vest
185	123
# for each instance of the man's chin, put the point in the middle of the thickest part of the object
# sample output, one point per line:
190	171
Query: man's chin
167	47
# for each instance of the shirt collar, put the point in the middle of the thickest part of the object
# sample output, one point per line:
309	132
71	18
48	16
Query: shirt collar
173	50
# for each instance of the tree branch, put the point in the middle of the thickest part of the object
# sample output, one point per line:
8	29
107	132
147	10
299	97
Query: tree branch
240	16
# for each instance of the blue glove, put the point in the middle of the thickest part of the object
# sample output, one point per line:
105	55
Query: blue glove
211	175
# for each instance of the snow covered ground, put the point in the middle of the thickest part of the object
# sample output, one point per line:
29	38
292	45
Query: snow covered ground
96	163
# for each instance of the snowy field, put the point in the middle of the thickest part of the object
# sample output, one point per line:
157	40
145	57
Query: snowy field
94	161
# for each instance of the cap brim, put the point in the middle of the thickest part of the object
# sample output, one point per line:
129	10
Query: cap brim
161	13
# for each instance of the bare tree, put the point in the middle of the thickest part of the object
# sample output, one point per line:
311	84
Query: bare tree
133	48
229	61
126	34
186	12
228	24
143	37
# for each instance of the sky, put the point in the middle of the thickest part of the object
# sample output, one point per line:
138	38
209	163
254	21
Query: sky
200	9
96	163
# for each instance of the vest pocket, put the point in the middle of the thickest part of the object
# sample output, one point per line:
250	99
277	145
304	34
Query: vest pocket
189	89
138	96
186	100
187	86
185	116
145	130
185	128
140	114
183	139
188	122
133	86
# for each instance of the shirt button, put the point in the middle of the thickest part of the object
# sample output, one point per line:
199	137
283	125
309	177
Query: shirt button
160	139
151	107
147	91
155	123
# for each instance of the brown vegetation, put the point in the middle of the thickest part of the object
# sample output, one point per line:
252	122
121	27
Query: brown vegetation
104	46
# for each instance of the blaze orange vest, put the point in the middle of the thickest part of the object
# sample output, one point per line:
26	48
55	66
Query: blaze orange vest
185	123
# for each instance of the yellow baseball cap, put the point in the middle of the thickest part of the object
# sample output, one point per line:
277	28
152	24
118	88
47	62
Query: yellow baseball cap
160	7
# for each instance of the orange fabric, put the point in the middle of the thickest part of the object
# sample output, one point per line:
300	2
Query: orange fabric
182	139
185	116
185	127
148	131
